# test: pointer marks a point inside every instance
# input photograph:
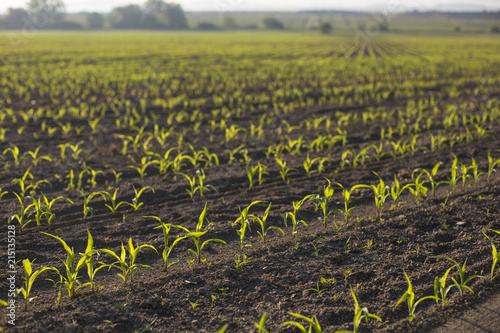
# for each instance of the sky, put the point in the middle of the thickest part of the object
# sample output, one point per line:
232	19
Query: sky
73	6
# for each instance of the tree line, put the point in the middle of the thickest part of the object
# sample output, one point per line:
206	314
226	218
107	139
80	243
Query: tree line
51	14
154	14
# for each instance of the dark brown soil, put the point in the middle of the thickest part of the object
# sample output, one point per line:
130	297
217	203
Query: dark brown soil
368	254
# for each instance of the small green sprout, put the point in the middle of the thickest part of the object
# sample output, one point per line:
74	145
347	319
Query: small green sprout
409	296
431	176
262	324
454	174
114	204
324	201
241	260
86	202
262	222
244	214
23	217
136	204
251	171
194	305
381	192
491	165
317	289
313	323
293	215
397	191
359	315
440	289
168	248
196	236
131	266
284	170
29	279
72	267
496	257
461	271
347	200
418	188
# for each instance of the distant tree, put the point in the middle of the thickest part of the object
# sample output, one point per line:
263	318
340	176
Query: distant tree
207	26
495	29
168	14
228	22
269	22
95	21
51	11
384	26
128	17
457	28
325	28
15	18
176	18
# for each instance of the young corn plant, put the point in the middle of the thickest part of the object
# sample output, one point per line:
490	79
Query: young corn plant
48	206
192	184
284	170
166	227
453	180
475	171
242	232
491	166
196	237
440	289
244	214
32	187
241	259
16	155
381	193
202	186
141	169
251	171
130	267
313	323
72	267
379	151
318	290
496	257
93	175
86	202
344	160
346	193
293	215
114	204
461	271
464	170
397	191
29	279
35	159
359	315
261	326
308	164
409	296
324	202
263	228
23	217
39	213
418	188
136	204
431	176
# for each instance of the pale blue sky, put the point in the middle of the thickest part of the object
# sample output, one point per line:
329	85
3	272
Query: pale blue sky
73	6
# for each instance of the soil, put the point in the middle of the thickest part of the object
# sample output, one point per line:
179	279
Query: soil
367	253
